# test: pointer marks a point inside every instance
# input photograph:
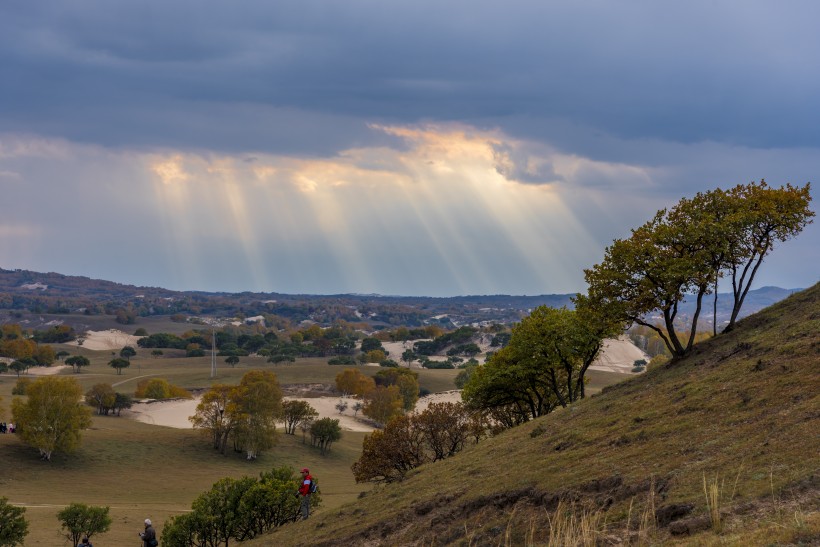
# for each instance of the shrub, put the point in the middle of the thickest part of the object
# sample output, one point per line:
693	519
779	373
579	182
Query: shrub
159	388
438	365
238	510
345	360
389	363
20	387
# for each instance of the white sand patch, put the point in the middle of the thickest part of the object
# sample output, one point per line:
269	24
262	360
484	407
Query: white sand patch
46	371
176	413
112	339
168	413
397	348
618	355
453	396
326	407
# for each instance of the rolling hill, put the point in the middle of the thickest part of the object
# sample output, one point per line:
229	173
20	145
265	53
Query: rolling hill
736	423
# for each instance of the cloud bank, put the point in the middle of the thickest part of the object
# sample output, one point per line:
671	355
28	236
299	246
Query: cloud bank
398	148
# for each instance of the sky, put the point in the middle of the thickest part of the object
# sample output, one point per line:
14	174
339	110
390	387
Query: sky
396	147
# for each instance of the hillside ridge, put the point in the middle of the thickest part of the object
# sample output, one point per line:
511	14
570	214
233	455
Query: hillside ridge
743	410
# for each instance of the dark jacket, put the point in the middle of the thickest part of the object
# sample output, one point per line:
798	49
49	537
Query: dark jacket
148	535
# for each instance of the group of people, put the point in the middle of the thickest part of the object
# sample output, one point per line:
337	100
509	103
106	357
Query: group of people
6	428
149	535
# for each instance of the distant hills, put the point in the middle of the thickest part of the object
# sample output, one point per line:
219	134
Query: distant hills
29	292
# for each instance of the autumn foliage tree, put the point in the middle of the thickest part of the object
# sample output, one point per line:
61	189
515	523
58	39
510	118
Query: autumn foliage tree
383	403
246	413
351	381
259	406
52	417
408	441
294	413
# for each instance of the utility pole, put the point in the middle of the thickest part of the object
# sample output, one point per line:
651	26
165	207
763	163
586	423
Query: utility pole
213	351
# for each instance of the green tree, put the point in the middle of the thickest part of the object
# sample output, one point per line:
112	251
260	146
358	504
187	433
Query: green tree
295	412
760	217
684	251
119	363
408	356
464	375
81	520
156	353
19	366
653	270
324	433
13	524
510	389
237	510
77	362
563	344
232	360
62	354
270	502
370	344
122	401
128	352
52	417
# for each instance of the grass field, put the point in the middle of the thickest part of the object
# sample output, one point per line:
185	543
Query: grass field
141	470
741	414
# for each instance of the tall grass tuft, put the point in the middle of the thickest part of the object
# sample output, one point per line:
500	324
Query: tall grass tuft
647	521
569	528
711	490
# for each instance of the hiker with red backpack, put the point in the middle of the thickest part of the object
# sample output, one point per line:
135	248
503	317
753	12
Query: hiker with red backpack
307	488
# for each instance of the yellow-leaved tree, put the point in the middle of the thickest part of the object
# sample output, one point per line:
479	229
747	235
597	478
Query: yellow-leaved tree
52	416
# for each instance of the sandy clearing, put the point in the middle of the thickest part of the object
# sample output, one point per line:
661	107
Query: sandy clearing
618	355
46	371
175	413
111	339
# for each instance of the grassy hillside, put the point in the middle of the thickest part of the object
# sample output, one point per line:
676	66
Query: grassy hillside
742	414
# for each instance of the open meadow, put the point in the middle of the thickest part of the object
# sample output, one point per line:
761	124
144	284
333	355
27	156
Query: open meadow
142	470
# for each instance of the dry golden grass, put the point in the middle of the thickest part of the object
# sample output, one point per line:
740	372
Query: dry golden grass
740	406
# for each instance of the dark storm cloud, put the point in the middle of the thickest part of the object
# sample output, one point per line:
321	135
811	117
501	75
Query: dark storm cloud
306	77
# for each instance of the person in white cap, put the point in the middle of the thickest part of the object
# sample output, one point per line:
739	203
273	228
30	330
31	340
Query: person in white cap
149	536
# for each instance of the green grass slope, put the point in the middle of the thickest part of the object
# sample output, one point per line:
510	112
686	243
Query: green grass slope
741	414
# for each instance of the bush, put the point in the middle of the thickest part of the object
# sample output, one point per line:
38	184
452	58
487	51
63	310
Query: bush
438	365
345	360
238	509
20	387
159	388
389	363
